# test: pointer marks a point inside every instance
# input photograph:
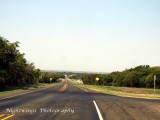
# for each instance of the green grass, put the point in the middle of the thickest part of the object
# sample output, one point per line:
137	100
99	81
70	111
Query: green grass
123	91
28	87
151	91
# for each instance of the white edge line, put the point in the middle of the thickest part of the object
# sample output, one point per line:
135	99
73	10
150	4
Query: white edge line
25	93
98	111
81	88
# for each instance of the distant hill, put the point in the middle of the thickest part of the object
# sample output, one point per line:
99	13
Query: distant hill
68	71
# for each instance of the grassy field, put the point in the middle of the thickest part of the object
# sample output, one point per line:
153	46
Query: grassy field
20	90
123	91
34	86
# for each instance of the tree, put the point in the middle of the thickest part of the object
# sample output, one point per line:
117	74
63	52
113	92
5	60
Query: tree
14	68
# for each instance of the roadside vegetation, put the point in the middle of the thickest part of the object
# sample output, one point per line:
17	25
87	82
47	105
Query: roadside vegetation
16	71
138	77
121	91
25	88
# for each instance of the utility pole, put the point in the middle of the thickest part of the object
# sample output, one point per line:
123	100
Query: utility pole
154	84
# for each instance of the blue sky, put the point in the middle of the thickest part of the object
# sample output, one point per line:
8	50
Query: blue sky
84	35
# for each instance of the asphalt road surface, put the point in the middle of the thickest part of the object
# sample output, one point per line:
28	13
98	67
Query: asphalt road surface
66	101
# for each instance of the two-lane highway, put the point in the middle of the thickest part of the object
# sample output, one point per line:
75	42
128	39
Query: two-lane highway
63	101
66	101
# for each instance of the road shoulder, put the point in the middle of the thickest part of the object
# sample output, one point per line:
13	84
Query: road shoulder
16	92
101	89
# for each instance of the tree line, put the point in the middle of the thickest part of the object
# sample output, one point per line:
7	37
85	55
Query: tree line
15	70
140	76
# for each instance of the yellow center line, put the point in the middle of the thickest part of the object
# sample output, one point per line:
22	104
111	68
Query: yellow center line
63	88
8	117
1	115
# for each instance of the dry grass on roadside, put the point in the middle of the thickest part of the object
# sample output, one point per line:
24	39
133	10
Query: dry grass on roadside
20	90
123	91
